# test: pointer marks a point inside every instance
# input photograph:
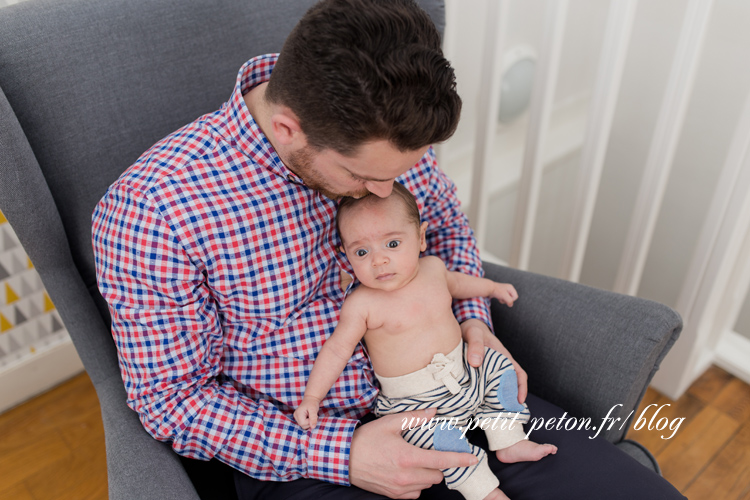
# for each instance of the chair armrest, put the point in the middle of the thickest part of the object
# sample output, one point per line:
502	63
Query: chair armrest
138	466
585	350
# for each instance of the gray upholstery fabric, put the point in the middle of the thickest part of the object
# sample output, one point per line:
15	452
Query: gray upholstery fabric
585	350
96	83
87	85
138	466
640	454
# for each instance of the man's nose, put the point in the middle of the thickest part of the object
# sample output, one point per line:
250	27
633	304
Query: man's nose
381	189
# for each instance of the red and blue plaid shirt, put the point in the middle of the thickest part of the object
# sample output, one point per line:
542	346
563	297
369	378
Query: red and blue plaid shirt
223	280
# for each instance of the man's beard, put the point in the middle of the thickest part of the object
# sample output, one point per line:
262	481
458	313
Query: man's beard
300	162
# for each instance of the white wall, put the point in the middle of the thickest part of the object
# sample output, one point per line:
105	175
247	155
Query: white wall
721	86
464	41
652	47
722	81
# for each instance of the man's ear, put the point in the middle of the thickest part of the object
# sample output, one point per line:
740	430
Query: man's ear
422	236
286	128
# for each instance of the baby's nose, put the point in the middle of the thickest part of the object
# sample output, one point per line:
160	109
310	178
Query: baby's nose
380	259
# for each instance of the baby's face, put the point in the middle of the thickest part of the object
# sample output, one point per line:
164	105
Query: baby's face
382	244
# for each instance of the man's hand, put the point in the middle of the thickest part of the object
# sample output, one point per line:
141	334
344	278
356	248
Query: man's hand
478	335
505	293
381	460
307	413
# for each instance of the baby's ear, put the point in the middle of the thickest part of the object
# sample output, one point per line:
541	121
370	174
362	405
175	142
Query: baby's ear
422	236
341	249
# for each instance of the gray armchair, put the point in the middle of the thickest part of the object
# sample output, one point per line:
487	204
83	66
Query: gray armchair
87	85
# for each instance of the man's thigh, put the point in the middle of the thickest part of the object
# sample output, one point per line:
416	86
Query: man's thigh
582	469
300	489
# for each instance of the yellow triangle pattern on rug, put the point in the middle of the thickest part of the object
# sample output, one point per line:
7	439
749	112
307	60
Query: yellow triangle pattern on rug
10	295
48	305
5	325
29	322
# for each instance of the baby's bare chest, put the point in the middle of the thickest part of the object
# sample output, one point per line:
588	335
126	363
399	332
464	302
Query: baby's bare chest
424	305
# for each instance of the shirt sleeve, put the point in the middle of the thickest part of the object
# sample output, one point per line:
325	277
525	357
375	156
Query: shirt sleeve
449	235
169	339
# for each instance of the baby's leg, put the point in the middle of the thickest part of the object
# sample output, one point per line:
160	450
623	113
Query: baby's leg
504	415
496	494
474	483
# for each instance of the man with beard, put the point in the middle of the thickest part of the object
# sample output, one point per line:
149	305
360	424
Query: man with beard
218	256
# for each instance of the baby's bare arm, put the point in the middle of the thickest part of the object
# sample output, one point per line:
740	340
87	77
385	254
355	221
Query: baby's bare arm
332	360
463	286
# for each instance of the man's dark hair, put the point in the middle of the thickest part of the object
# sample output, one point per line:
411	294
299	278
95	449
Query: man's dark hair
355	71
399	191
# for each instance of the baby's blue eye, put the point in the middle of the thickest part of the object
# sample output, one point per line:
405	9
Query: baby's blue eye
393	244
361	253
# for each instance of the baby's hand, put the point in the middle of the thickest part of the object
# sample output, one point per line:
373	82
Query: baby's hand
307	413
505	293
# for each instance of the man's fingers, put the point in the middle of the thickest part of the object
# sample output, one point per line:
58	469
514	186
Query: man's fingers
522	386
433	459
495	344
522	393
475	353
419	478
409	419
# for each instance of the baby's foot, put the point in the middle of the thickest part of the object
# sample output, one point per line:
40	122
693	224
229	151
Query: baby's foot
496	495
525	451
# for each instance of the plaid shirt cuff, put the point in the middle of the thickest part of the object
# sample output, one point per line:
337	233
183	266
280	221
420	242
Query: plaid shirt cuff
478	308
328	450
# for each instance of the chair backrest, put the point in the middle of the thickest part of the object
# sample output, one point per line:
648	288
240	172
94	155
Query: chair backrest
86	86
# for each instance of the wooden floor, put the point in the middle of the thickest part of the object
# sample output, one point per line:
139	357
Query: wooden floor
709	457
53	446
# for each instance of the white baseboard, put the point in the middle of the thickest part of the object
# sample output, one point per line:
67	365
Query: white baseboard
35	374
733	355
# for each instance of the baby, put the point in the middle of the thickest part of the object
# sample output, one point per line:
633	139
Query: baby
403	311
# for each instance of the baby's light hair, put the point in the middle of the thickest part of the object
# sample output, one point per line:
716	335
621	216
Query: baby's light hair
399	191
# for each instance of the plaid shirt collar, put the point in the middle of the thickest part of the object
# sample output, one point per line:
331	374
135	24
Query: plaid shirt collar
241	128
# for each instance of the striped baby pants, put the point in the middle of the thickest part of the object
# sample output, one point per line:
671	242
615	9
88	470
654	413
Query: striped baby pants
484	397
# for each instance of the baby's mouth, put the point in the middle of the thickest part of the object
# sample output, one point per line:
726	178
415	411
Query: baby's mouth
385	276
